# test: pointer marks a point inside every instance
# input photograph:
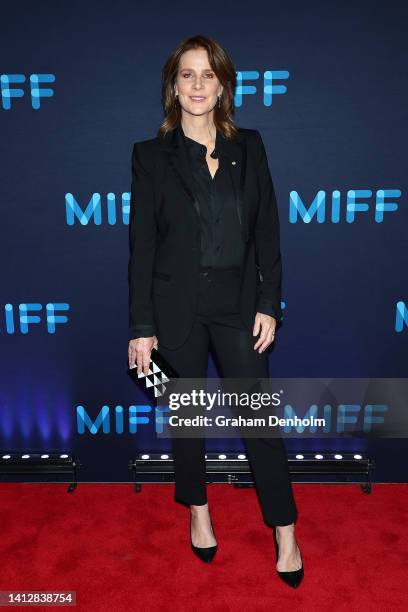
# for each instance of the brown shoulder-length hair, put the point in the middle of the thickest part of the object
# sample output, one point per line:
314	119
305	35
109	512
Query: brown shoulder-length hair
223	67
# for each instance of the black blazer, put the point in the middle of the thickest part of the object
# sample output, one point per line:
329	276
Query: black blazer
164	235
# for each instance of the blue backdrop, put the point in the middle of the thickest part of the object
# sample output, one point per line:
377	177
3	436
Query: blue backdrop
325	85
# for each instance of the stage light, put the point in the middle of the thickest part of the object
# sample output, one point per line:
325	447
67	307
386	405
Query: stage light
164	456
234	468
37	467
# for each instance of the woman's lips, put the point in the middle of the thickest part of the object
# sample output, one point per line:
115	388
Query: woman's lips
197	98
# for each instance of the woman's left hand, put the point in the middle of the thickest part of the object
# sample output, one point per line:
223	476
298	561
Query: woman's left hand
266	325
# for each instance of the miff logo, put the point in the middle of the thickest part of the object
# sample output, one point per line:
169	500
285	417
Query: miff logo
118	419
20	321
401	316
93	210
36	93
269	88
348	209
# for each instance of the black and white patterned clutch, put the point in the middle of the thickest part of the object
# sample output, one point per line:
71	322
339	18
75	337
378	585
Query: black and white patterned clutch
159	377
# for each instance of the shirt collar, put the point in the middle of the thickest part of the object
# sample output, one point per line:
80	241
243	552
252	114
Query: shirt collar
198	150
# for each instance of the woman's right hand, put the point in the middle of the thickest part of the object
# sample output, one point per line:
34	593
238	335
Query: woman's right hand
139	353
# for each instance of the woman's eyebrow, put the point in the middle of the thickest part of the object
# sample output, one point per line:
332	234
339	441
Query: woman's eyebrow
192	69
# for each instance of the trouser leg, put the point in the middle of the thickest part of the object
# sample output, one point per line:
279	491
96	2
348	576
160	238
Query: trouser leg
270	469
235	357
190	361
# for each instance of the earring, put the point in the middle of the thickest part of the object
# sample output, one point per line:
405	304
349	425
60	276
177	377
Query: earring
219	101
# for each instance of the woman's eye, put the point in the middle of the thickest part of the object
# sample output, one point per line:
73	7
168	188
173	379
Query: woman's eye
209	74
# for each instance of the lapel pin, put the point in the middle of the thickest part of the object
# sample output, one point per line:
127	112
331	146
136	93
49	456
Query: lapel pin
233	163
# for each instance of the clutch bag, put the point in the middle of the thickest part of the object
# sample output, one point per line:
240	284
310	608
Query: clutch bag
158	378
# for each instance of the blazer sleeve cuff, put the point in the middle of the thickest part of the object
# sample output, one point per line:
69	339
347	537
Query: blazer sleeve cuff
142	331
265	306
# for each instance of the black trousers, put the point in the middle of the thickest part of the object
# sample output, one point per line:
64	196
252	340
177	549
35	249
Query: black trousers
218	327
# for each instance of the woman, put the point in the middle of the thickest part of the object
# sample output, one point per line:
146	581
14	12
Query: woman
205	271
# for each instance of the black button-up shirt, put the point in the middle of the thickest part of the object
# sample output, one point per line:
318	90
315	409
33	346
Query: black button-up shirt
222	245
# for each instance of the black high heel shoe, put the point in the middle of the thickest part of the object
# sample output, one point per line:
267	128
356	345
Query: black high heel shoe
294	578
206	554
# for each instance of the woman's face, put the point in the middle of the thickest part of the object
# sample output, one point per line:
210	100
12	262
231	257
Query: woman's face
196	83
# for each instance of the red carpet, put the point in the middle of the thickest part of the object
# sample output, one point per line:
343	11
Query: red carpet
124	551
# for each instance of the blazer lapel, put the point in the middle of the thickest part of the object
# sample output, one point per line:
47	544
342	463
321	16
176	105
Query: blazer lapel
177	158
